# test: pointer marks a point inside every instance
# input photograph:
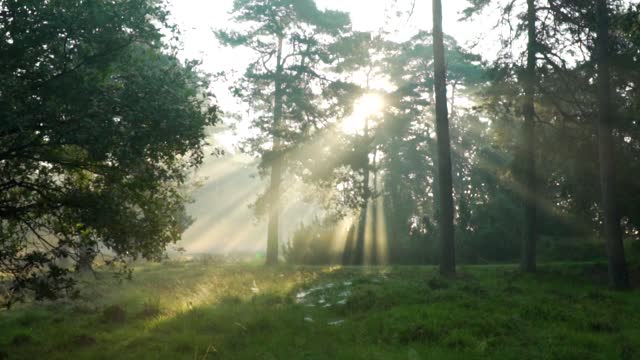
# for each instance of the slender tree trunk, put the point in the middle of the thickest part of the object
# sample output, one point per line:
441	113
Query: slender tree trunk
86	256
374	213
396	212
612	231
276	167
528	261
362	222
348	252
447	261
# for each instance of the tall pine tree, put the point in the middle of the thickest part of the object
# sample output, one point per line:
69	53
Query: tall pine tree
290	39
445	186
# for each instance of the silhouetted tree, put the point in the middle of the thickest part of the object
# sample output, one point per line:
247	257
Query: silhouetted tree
100	126
612	231
529	180
445	187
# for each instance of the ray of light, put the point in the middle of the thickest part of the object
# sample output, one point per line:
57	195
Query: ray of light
231	235
223	166
249	232
382	243
340	234
545	205
365	107
233	205
350	243
294	213
369	236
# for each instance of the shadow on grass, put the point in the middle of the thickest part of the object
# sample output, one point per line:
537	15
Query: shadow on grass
352	313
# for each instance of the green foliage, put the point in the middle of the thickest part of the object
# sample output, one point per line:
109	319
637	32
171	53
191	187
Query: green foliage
288	88
100	126
388	313
475	7
313	244
307	34
488	162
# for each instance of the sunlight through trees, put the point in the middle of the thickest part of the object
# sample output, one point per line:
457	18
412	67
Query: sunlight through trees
342	143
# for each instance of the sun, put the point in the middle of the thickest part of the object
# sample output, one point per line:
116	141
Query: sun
367	106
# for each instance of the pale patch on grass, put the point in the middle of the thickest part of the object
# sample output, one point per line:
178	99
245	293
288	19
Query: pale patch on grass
197	310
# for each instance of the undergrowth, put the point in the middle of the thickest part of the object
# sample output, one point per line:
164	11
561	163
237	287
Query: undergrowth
196	310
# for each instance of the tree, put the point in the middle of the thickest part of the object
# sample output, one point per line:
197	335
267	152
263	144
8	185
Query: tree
366	61
490	140
525	163
100	128
445	186
566	106
545	39
617	265
529	182
407	144
290	39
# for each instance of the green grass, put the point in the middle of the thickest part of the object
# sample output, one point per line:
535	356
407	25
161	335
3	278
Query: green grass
193	310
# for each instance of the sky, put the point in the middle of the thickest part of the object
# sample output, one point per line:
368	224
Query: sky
198	18
228	185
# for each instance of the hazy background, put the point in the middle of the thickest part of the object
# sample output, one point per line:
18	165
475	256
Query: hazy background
229	185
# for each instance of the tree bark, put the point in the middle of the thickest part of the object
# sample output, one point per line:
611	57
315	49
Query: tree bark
374	214
528	261
276	167
86	256
446	231
618	274
362	222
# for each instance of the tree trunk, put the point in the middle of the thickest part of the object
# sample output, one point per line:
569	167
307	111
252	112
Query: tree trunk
447	261
612	231
348	252
396	212
528	261
374	214
362	222
276	167
86	255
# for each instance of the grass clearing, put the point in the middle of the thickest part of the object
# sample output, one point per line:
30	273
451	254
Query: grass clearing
195	310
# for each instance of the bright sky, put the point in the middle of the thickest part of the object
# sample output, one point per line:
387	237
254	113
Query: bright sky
197	18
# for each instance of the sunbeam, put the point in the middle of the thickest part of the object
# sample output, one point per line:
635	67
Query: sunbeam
381	240
367	106
369	236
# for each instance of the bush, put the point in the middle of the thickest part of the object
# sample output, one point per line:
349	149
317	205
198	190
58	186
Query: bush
313	244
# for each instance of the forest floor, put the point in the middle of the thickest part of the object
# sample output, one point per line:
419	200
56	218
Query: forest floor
197	310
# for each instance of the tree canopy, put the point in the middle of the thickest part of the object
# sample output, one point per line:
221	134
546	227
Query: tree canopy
100	125
415	149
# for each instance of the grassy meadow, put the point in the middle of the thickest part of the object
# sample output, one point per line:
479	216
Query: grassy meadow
201	310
